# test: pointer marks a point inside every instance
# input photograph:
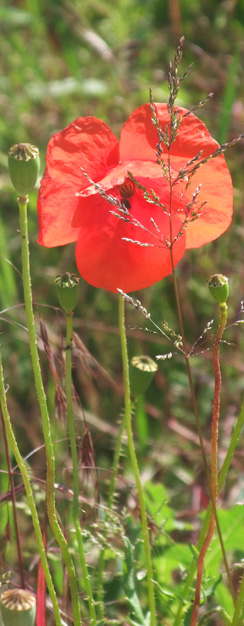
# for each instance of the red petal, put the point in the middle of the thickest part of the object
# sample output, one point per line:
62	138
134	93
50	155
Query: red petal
216	188
56	205
138	141
86	143
105	260
89	143
139	136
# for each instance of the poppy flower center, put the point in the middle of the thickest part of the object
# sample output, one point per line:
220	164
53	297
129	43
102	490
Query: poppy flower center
126	191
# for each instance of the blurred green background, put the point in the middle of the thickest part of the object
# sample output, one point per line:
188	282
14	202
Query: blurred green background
64	59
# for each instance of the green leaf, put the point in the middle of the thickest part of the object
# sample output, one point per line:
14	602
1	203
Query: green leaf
157	507
232	526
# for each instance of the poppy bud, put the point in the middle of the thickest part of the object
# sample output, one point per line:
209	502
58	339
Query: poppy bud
142	371
219	287
68	291
18	607
24	165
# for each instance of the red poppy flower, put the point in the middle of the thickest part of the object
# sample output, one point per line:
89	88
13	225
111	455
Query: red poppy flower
71	208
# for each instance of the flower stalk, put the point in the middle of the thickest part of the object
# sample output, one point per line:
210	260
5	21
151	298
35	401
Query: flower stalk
214	459
132	452
58	534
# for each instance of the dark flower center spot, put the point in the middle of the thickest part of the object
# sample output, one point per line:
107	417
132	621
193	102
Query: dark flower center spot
126	191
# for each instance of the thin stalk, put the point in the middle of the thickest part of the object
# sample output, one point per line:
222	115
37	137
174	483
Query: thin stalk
100	594
78	531
29	494
214	460
222	476
199	430
58	534
145	532
12	488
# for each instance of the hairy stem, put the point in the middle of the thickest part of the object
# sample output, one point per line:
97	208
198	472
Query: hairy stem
58	534
29	494
128	424
78	531
214	460
199	430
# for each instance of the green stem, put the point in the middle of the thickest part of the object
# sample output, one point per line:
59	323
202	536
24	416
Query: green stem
58	534
222	476
29	494
145	532
78	531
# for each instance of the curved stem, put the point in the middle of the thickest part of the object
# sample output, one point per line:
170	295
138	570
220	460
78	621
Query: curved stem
58	534
214	460
29	494
78	531
145	532
222	476
199	430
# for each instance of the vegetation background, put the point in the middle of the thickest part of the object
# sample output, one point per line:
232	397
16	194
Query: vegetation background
62	59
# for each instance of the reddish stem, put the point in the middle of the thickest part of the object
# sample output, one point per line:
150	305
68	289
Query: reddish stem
214	460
